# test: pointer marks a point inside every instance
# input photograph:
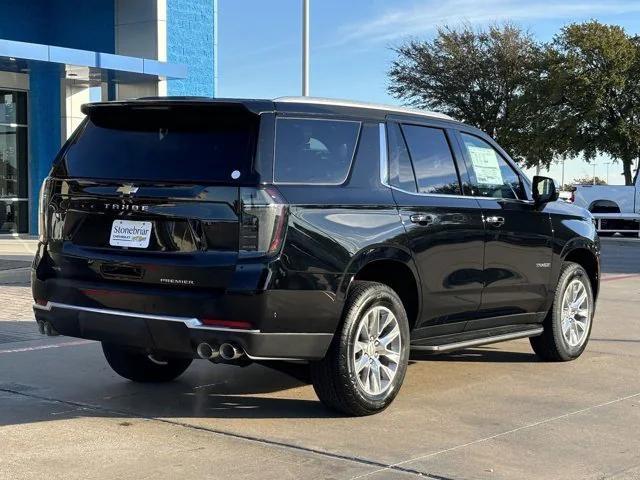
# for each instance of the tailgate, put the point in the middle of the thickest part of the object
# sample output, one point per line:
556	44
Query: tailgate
190	233
150	193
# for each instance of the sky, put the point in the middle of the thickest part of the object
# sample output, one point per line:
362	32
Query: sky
351	41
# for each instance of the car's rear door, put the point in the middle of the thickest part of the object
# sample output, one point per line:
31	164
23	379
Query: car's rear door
149	196
519	239
444	229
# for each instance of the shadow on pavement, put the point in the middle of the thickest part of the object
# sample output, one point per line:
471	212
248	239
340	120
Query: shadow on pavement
80	378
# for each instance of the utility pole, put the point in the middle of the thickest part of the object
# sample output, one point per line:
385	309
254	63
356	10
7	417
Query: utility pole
305	48
594	173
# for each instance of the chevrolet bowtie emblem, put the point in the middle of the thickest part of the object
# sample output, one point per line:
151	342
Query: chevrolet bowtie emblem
127	189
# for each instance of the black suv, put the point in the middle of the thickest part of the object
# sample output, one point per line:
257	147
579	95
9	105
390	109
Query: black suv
331	234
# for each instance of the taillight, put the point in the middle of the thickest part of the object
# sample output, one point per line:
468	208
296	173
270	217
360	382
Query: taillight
43	203
263	220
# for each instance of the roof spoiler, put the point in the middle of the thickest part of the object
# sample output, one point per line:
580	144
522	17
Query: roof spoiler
167	103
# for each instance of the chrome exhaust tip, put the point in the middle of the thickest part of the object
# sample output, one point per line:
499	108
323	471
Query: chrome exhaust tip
45	328
206	351
229	351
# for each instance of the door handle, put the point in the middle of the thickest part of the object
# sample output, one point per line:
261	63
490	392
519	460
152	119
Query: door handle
495	221
423	219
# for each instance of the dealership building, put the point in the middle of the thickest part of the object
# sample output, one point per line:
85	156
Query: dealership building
56	55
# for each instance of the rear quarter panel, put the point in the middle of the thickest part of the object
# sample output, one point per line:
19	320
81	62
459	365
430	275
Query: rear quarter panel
333	231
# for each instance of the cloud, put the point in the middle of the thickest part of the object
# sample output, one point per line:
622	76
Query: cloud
424	17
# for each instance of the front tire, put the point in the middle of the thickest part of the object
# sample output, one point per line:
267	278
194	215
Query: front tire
568	325
365	365
140	367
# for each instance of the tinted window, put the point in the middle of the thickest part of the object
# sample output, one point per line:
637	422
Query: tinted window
314	151
400	169
490	174
432	160
161	145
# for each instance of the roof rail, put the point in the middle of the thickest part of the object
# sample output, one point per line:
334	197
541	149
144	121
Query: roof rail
355	104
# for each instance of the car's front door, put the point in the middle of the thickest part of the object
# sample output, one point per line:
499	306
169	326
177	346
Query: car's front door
444	229
518	248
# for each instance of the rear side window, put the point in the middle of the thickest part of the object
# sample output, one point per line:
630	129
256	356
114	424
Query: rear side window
433	162
172	145
490	174
400	170
311	151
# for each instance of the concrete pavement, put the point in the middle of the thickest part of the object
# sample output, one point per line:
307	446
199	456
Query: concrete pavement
487	413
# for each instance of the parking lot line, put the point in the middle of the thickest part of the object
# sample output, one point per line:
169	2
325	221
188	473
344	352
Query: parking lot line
45	347
498	435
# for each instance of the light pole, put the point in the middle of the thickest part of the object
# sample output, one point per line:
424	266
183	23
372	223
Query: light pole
215	48
305	48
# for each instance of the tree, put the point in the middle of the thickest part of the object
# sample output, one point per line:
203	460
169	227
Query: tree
594	70
486	78
586	181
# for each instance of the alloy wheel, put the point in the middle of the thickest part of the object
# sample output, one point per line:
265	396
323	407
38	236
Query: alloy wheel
376	350
576	313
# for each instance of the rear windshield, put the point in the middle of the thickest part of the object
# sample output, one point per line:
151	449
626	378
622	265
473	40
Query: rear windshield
164	144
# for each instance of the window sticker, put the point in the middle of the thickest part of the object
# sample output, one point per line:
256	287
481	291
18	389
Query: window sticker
485	164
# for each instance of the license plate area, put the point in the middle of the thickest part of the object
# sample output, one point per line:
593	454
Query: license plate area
130	233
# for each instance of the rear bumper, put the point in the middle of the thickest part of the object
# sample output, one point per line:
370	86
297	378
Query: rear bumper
177	335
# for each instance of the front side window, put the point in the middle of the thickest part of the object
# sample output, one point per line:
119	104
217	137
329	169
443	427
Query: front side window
491	175
433	162
314	151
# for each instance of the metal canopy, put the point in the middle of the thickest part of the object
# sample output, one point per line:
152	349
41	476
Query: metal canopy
13	55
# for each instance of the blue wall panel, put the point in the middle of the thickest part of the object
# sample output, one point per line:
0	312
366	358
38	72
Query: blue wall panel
88	25
44	129
84	24
190	42
24	21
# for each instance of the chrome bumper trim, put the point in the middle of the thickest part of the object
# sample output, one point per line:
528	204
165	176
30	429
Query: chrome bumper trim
193	323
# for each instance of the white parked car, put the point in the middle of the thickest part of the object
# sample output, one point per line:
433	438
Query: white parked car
616	208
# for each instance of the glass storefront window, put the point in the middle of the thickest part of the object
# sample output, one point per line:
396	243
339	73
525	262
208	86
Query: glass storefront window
14	216
14	205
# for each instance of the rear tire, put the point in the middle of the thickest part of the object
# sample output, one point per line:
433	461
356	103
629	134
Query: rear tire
365	365
138	367
568	325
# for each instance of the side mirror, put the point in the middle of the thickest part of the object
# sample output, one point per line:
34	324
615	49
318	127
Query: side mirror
544	190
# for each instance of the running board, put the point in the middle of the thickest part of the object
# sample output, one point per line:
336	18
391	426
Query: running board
448	347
